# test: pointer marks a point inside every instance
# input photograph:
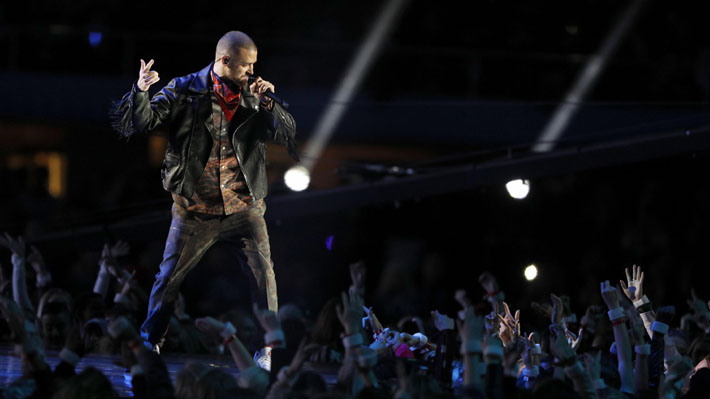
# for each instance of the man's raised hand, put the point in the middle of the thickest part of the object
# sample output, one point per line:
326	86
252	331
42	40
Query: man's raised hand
442	321
558	308
510	326
349	312
210	325
146	77
260	87
120	248
17	246
267	318
634	290
609	295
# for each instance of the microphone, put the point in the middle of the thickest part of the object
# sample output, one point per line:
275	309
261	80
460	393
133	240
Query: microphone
251	79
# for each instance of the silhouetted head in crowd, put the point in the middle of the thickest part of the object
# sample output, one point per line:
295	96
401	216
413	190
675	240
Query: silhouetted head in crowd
218	384
89	384
186	380
421	386
293	324
90	314
700	348
308	384
89	306
295	331
379	393
327	328
54	315
553	388
699	386
332	395
410	325
290	311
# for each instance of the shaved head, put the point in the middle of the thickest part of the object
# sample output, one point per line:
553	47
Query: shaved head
235	58
232	41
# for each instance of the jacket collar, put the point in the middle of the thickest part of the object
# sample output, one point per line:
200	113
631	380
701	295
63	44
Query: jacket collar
202	83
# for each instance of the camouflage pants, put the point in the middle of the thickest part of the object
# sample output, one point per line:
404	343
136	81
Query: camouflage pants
189	239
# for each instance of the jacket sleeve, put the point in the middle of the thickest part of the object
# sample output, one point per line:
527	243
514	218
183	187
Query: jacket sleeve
281	128
135	113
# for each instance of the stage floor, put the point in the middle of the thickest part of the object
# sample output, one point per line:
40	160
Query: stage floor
11	368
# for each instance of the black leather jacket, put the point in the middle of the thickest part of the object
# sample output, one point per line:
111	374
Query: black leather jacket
184	106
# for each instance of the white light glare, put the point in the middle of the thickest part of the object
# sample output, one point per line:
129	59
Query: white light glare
518	189
297	178
530	272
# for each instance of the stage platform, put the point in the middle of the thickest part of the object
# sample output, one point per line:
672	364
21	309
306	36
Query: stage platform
11	368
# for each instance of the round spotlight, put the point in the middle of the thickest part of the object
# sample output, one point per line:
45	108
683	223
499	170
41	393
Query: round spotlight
518	188
297	178
530	272
95	39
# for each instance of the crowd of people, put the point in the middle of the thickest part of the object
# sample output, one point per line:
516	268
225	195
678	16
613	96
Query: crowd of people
487	350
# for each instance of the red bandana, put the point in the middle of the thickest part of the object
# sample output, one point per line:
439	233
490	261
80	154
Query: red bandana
227	99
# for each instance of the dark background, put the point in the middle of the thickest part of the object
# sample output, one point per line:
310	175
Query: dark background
457	85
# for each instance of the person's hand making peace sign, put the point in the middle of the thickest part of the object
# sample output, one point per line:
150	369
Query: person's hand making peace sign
146	77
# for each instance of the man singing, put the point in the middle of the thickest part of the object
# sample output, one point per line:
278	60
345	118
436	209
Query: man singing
218	126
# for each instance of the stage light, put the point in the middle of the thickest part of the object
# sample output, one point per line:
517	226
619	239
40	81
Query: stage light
366	56
587	78
530	272
518	188
297	178
329	243
95	39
